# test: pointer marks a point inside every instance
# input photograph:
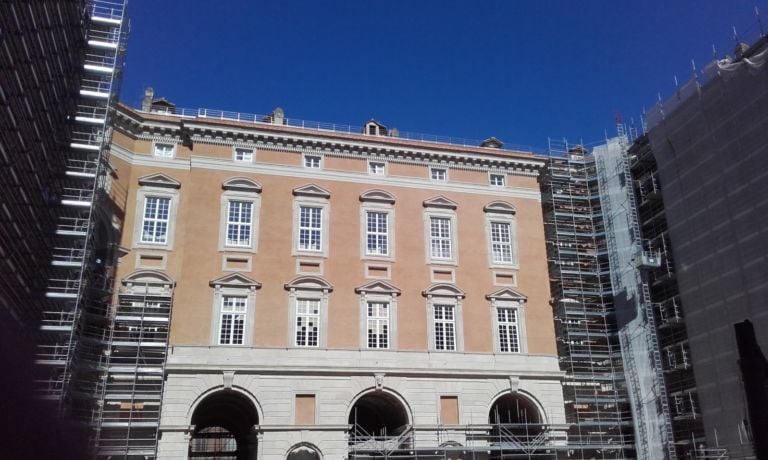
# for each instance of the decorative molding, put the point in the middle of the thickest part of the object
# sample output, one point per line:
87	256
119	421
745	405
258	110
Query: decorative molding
500	207
312	190
440	202
309	283
241	184
377	196
228	377
444	290
514	383
507	294
235	280
378	287
159	180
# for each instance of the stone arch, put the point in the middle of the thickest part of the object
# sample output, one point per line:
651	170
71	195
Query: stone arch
379	411
223	424
236	388
304	451
516	407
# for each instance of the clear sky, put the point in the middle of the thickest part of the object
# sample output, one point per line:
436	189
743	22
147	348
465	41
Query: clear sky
522	71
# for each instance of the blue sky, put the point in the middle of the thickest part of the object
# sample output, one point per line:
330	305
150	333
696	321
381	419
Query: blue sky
522	71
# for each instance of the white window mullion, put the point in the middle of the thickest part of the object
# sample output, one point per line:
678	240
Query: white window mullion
440	237
232	321
501	242
378	325
239	223
377	233
156	219
445	327
310	228
307	323
509	341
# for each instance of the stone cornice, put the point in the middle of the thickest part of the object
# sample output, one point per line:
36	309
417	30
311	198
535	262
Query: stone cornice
264	136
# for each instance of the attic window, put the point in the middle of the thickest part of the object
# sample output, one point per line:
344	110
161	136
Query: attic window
374	128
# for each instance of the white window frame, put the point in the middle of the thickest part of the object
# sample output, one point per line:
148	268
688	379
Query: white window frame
445	295
501	213
492	176
440	172
244	190
155	221
377	167
442	326
508	298
305	302
440	238
310	231
379	320
307	161
246	154
312	288
377	201
157	186
311	199
230	315
441	208
159	149
378	292
234	285
241	223
508	332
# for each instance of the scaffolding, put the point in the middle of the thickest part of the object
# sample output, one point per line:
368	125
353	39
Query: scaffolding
76	324
666	308
130	401
597	407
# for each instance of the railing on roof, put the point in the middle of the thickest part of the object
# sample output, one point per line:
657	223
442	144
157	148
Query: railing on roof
329	127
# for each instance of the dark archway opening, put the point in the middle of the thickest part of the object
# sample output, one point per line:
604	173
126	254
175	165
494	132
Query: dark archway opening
378	414
224	428
515	422
303	453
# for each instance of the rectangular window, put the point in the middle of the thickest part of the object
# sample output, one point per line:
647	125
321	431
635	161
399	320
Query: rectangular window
445	327
154	228
378	325
438	174
440	237
508	338
501	242
498	180
163	150
375	167
311	161
377	233
307	322
232	328
239	221
310	228
245	155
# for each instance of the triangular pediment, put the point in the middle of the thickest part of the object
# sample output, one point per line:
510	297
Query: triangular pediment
241	184
312	190
492	142
309	283
159	180
444	290
507	294
377	287
440	202
235	280
377	196
500	207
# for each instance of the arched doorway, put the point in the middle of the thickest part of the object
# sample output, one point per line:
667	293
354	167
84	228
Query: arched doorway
378	414
303	452
516	422
224	427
